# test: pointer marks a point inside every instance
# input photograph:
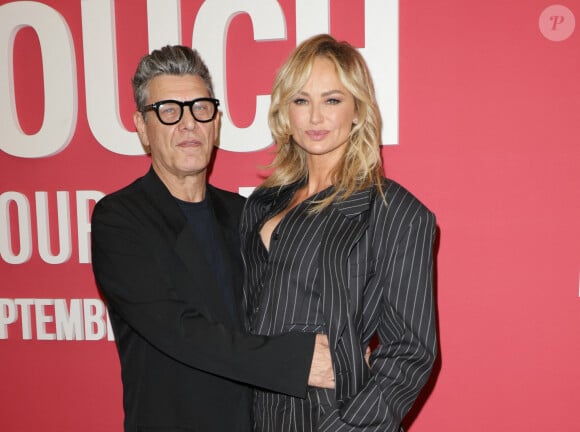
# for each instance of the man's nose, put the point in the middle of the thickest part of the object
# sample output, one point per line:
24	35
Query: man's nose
187	121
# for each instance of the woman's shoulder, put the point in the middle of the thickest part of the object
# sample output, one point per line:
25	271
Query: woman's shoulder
400	202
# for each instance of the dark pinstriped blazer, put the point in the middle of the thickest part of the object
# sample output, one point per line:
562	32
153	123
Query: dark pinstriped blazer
375	276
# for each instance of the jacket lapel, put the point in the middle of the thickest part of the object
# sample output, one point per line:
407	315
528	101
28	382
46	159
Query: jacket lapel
198	284
229	230
346	224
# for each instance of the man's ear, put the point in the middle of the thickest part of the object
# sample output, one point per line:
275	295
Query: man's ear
140	128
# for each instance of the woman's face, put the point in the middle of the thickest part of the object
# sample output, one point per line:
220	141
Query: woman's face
321	114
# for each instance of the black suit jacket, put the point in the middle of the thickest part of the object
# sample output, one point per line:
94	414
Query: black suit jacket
375	276
181	369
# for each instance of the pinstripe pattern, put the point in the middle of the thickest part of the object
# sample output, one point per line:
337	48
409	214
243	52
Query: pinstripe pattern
362	267
291	265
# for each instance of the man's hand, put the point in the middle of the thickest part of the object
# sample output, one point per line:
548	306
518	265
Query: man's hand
368	356
321	370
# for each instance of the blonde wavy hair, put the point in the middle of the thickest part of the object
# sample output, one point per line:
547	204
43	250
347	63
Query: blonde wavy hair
361	166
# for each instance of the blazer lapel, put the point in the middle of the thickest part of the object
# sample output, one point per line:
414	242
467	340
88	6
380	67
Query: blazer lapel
346	224
230	237
198	285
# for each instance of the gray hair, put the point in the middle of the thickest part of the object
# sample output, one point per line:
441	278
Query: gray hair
169	60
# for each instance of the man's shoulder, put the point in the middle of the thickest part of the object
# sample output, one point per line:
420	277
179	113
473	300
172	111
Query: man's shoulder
227	197
125	193
128	202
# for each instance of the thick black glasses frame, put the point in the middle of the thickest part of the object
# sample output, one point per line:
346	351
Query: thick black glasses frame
155	107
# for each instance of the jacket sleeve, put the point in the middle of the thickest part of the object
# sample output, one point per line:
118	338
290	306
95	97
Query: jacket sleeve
139	293
402	361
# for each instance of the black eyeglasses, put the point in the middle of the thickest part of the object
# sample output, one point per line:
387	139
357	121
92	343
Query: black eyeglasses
169	112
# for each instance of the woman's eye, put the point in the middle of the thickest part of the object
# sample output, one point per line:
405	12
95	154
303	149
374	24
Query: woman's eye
333	101
300	101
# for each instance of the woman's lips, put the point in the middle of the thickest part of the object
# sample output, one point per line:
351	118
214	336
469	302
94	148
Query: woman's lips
317	135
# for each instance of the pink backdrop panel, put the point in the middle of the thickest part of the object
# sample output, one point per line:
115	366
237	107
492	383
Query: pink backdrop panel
488	137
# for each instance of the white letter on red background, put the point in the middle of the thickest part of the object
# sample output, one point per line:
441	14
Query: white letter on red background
163	23
212	23
25	304
95	315
382	55
63	224
312	18
60	80
42	319
84	199
381	50
24	228
69	324
8	315
101	86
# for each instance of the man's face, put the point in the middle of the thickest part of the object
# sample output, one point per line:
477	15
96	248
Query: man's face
185	148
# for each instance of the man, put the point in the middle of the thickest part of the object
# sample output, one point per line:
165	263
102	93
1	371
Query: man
166	259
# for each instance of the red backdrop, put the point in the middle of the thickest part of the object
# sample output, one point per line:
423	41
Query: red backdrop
486	132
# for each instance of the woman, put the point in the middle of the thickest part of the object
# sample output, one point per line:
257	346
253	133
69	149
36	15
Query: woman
331	246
